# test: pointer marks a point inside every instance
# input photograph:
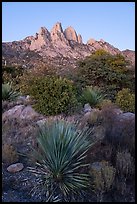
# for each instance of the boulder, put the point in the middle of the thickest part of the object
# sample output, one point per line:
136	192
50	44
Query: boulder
20	112
126	116
14	112
28	113
122	131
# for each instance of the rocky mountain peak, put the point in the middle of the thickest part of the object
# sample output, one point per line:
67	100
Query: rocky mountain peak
57	28
42	38
71	34
57	44
57	36
43	31
80	39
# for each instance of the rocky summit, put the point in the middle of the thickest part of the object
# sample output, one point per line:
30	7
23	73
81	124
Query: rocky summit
57	47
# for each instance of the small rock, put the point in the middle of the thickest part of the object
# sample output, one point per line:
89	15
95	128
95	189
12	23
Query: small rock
28	97
97	166
87	108
21	98
40	123
13	168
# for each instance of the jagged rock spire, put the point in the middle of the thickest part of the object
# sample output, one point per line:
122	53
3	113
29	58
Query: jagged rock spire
80	39
57	35
57	28
71	34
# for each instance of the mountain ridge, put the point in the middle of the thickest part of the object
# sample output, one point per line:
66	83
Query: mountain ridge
48	45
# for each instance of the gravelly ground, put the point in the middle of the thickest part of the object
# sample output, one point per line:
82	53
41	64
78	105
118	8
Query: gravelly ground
17	188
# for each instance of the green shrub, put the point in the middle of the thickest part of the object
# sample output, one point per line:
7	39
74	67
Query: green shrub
63	150
109	72
126	100
52	95
8	93
11	74
91	95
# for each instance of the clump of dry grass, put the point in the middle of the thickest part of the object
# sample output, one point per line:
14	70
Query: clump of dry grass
103	175
9	154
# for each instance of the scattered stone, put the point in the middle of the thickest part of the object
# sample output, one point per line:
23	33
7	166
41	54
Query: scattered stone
21	98
28	97
87	108
97	166
13	168
40	123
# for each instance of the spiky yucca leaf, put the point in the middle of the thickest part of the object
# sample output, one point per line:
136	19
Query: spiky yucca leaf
8	93
63	152
91	95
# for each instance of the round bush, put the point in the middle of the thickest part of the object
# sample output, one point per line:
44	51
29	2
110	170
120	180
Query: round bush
126	100
109	72
52	94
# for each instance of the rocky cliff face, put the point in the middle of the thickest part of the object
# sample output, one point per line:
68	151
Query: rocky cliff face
129	55
53	45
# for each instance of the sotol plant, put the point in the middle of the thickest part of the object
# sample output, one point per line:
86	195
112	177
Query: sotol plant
8	93
63	151
91	95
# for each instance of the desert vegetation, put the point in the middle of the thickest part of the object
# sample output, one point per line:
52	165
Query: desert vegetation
75	133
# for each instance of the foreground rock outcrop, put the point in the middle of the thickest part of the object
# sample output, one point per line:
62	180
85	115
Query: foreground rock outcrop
20	112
